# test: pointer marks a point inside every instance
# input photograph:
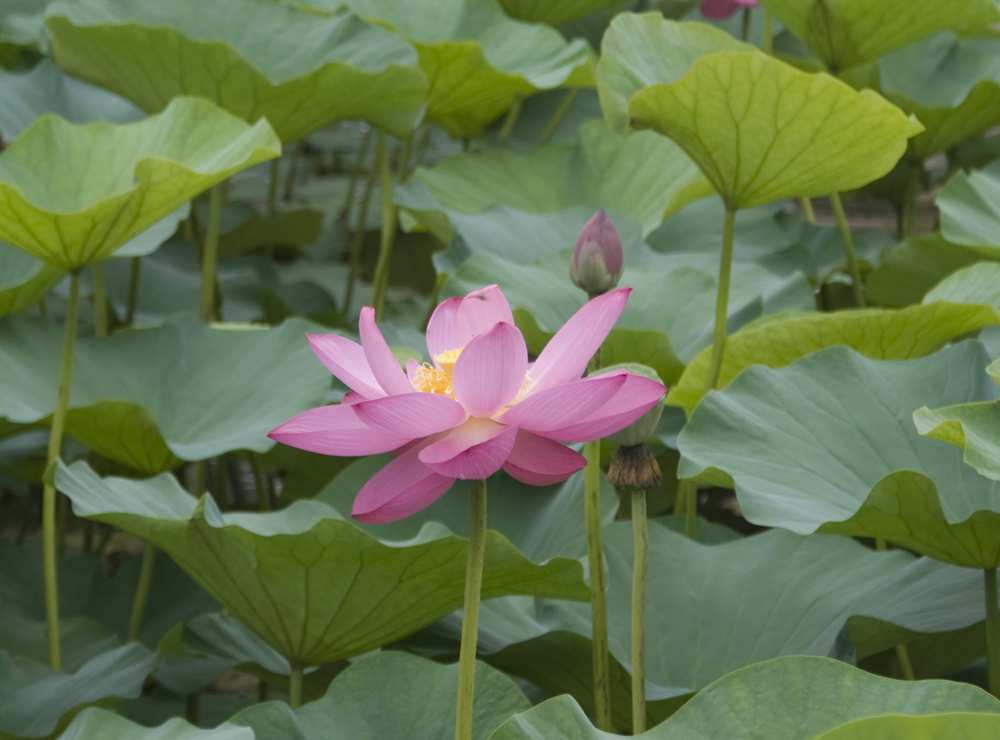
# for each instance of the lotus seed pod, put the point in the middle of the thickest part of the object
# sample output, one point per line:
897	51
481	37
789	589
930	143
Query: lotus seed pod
642	428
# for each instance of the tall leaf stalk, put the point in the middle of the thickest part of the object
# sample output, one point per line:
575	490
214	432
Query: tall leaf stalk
852	260
640	569
380	281
49	490
470	612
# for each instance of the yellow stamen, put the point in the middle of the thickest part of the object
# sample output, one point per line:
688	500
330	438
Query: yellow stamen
448	359
430	379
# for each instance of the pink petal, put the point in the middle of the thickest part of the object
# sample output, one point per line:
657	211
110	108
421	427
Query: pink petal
566	355
442	328
637	396
346	360
385	367
564	404
411	414
538	461
473	451
401	488
480	311
490	371
335	430
412	368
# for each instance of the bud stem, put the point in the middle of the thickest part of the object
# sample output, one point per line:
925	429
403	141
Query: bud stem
640	538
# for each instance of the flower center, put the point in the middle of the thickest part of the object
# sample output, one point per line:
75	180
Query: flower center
431	379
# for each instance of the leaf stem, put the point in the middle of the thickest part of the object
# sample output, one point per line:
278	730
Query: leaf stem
691	510
640	539
595	561
142	591
470	613
133	290
852	260
49	490
992	630
359	165
293	169
767	40
100	300
295	686
272	187
380	281
910	208
210	253
722	299
746	25
807	210
553	125
358	241
513	113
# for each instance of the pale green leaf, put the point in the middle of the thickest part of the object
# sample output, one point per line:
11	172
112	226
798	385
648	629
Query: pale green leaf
150	398
845	33
761	130
970	210
313	586
477	59
782	339
966	725
254	59
795	698
643	176
975	427
97	723
977	283
829	444
390	695
60	207
36	700
644	49
554	12
951	84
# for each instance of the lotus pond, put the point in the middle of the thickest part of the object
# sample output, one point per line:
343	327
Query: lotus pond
499	369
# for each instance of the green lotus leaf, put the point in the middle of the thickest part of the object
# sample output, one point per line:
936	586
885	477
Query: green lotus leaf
828	444
24	279
47	90
970	210
150	398
644	49
712	611
477	59
254	59
668	319
845	33
967	725
914	267
422	704
977	283
37	701
313	586
64	210
553	12
761	130
972	426
793	698
97	723
951	84
642	176
782	339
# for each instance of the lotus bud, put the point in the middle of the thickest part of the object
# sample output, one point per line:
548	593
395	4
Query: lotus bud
598	259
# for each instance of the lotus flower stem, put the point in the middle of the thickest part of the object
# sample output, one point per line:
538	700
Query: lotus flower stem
100	300
49	490
807	210
295	686
359	239
746	24
380	281
133	290
992	630
470	613
210	253
640	539
767	40
513	113
142	591
595	560
359	164
557	117
852	260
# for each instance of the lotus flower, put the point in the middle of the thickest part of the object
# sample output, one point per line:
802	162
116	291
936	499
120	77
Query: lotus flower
719	9
597	259
481	406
